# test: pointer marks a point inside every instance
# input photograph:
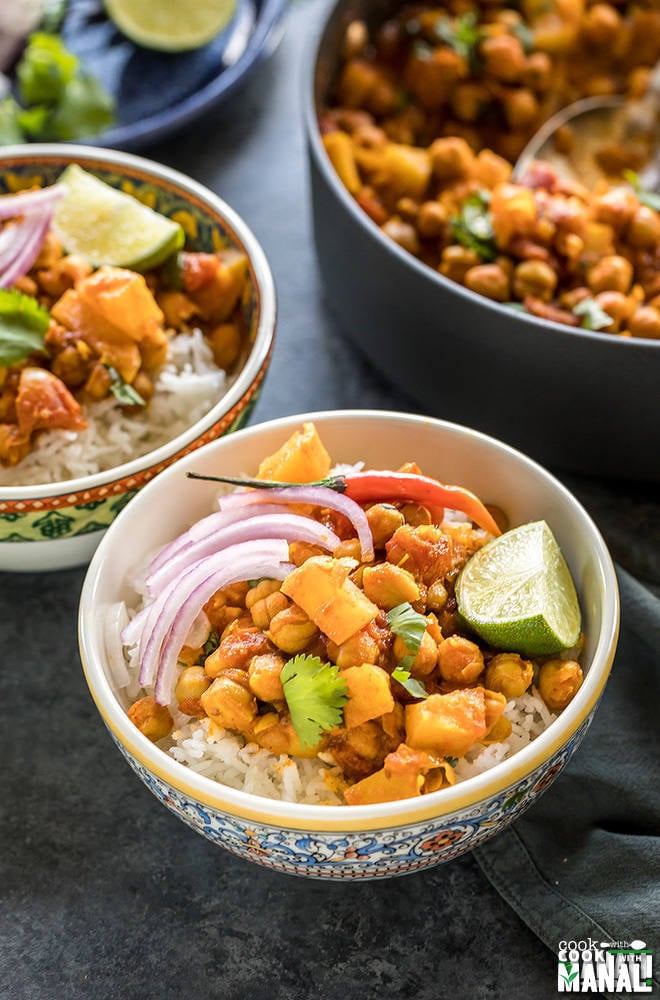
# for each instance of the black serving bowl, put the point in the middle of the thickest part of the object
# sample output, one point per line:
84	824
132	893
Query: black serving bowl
577	400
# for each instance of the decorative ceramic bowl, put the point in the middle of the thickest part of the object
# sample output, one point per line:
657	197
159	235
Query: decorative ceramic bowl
60	524
371	841
572	399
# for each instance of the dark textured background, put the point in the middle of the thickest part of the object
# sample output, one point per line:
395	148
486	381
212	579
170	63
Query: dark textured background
105	894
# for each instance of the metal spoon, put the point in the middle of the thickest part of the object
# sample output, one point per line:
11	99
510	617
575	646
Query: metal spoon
634	125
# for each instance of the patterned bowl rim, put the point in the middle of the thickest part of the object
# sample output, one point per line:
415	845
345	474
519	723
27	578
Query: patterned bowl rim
298	816
139	168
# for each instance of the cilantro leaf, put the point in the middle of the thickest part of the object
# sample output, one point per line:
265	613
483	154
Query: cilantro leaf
23	324
463	35
452	761
648	198
473	228
122	390
211	643
315	694
593	316
85	108
409	625
45	69
411	685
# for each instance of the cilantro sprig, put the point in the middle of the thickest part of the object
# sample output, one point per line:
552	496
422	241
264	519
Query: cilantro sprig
316	694
463	35
473	227
592	315
122	390
56	99
409	626
23	325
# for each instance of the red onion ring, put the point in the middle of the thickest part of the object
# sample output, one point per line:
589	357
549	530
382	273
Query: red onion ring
292	527
207	577
319	496
33	231
13	205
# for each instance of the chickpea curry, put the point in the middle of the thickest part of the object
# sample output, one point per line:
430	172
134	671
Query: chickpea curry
431	110
72	334
347	645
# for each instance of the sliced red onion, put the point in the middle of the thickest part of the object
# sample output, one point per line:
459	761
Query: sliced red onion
33	231
293	527
319	496
207	525
211	575
13	205
163	610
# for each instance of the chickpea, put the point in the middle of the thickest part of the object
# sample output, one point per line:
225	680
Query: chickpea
601	24
460	660
154	721
299	552
426	658
616	208
491	169
192	683
456	261
431	220
360	648
616	305
416	514
384	519
644	228
229	701
143	384
534	278
69	366
509	674
538	72
225	341
436	596
559	682
264	677
350	548
403	233
520	107
489	280
645	322
236	649
388	585
503	57
291	630
468	101
610	274
451	158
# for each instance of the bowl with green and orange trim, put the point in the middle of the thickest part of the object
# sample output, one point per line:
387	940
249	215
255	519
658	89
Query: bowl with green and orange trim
58	522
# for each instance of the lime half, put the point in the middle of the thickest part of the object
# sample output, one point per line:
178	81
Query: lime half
169	25
106	226
517	593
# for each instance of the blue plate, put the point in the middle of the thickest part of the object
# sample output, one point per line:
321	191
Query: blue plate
157	93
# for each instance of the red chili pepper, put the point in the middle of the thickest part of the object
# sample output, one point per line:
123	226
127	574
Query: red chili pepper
373	486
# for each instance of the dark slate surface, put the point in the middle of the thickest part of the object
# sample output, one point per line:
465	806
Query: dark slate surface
103	893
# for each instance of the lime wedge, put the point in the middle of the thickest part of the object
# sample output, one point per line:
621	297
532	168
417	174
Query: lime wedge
106	226
517	593
169	25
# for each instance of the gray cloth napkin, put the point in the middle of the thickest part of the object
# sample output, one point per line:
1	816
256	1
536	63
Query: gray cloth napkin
584	861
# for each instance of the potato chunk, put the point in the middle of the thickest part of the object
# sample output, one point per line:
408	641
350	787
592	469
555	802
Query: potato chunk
369	694
301	459
447	723
322	589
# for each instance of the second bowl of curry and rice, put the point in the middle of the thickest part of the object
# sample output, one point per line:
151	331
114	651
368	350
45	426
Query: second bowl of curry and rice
322	677
528	306
137	315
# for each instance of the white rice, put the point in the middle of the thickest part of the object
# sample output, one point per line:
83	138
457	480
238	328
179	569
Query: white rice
188	385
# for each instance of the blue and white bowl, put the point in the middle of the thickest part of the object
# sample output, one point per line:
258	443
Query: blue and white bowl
394	838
